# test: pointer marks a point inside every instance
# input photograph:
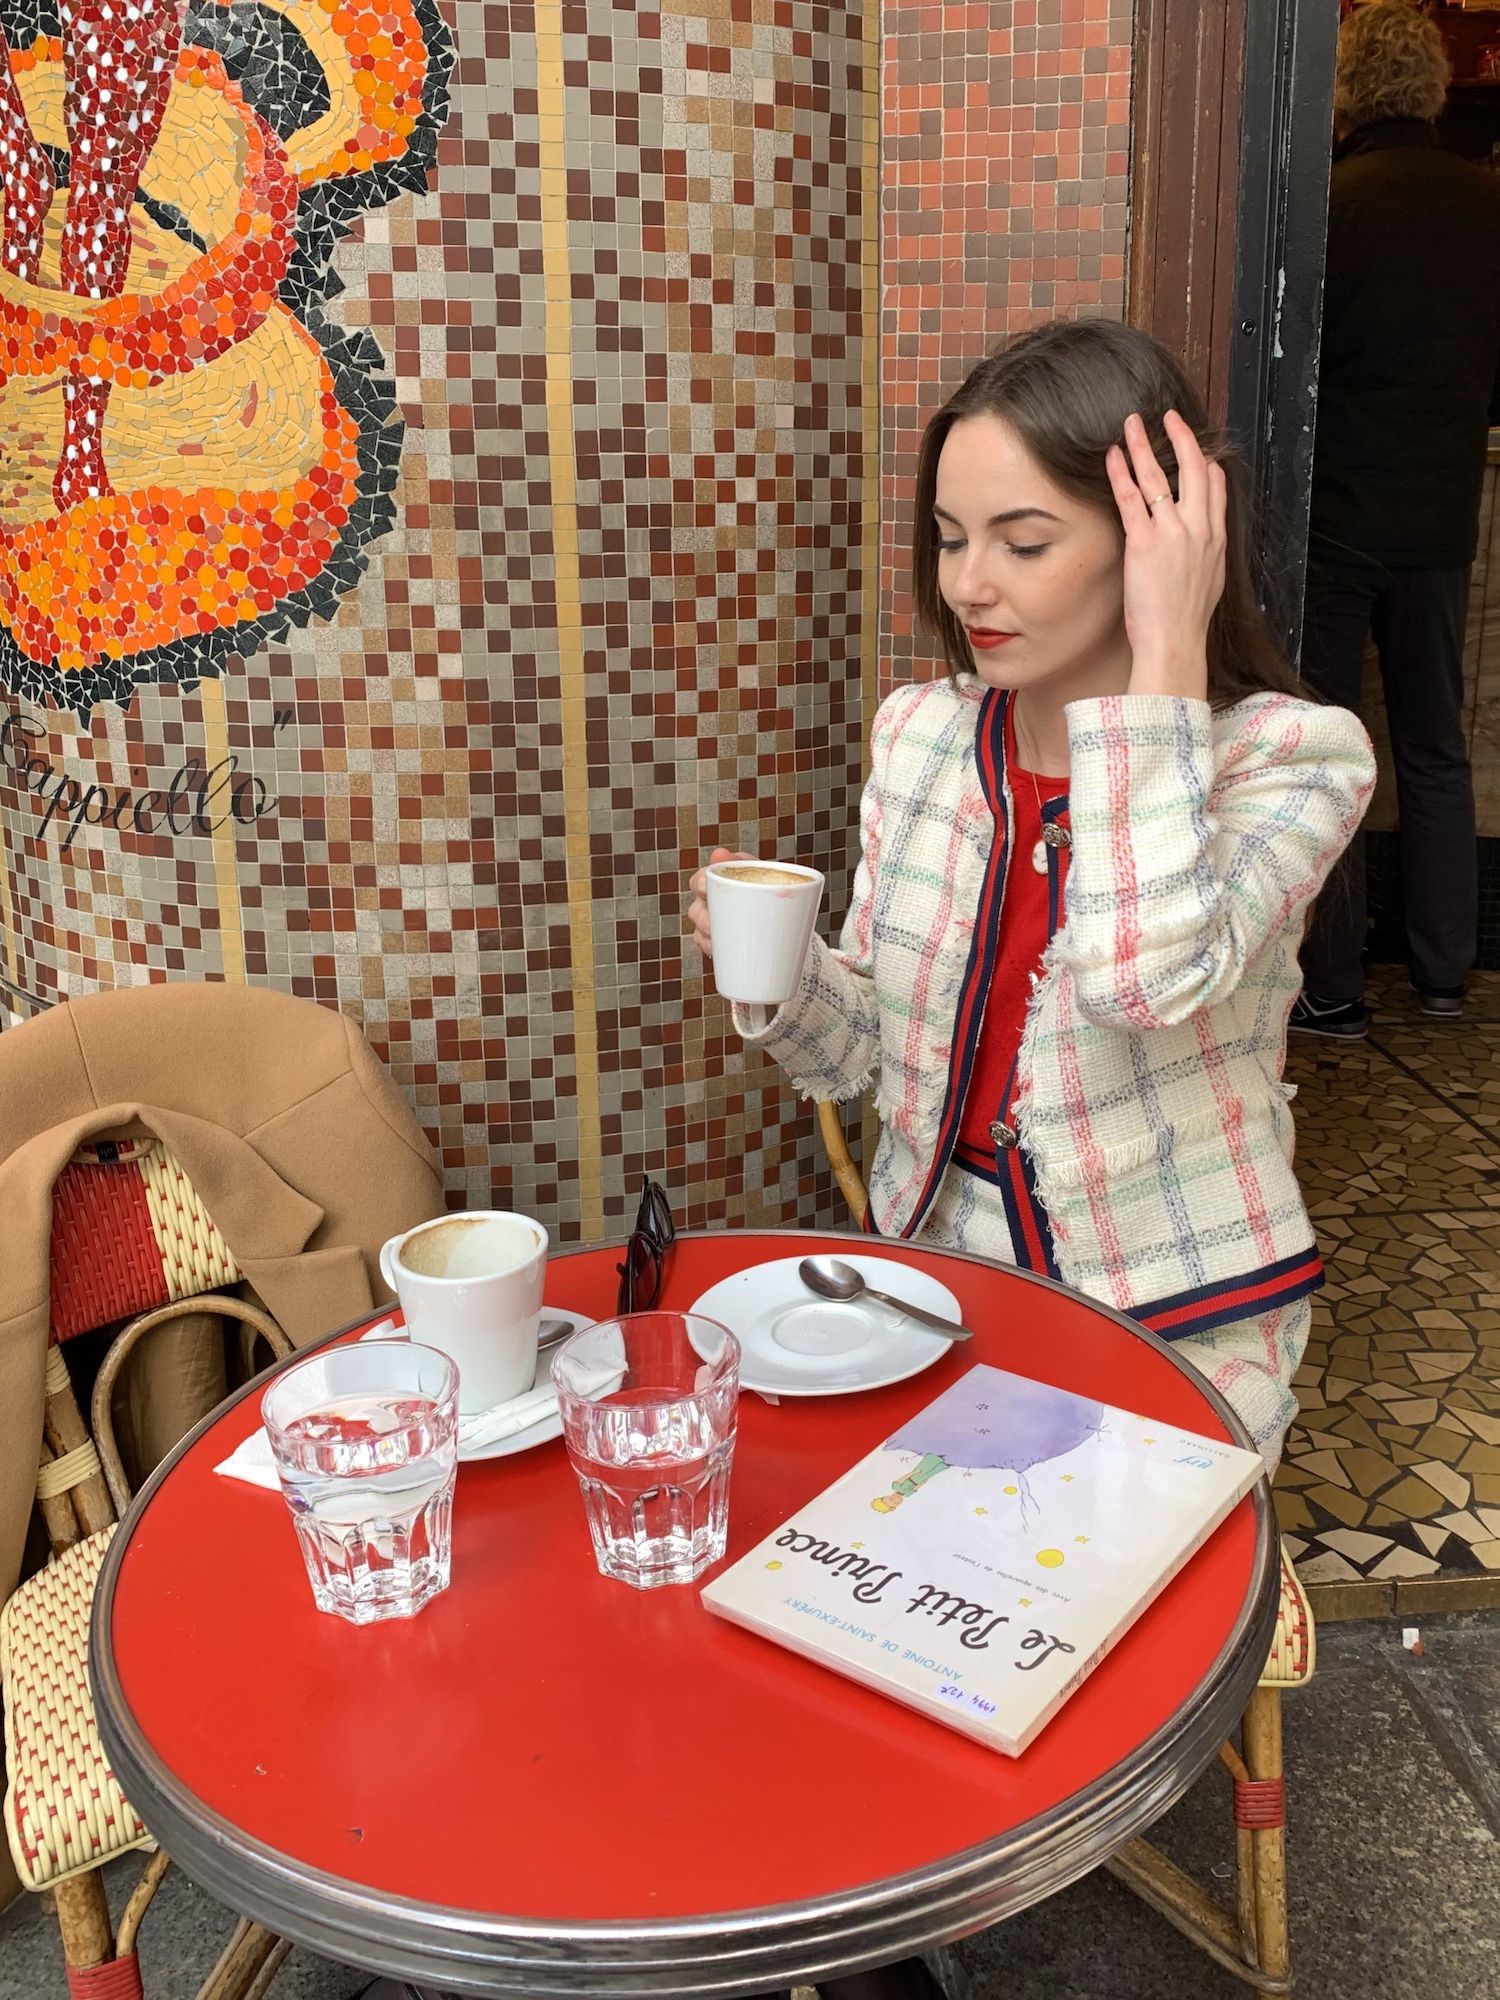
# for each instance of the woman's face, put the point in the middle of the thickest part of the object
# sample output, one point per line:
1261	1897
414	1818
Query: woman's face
1033	576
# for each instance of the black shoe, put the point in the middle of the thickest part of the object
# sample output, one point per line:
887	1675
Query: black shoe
1441	1003
1338	1020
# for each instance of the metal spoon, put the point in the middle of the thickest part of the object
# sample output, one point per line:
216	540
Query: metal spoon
552	1331
832	1278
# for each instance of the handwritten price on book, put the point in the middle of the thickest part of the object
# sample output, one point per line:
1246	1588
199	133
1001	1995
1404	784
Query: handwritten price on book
974	1701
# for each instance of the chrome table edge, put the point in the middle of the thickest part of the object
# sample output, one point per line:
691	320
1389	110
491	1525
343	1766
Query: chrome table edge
722	1954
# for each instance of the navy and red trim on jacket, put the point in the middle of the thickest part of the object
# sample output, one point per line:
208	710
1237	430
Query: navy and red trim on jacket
1226	1299
989	757
1009	1169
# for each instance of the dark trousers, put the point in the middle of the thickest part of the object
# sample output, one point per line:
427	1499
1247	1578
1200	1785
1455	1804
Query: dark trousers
1417	619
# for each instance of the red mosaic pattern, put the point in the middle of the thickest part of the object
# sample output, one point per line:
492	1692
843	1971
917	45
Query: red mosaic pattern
193	458
1006	159
221	298
118	67
28	180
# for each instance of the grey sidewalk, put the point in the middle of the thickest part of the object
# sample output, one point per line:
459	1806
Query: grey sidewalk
1394	1837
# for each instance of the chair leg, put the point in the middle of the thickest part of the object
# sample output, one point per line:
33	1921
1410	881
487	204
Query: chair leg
140	1898
1263	1757
1244	1861
243	1966
260	1986
83	1919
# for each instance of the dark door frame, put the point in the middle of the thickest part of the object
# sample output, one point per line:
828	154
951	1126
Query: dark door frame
1280	236
1231	125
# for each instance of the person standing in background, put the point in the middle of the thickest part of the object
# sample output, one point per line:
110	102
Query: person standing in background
1408	374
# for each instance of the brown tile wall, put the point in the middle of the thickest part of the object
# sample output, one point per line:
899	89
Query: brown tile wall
1006	177
627	606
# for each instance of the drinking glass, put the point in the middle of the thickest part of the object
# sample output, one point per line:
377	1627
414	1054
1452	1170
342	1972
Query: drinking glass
649	1402
365	1439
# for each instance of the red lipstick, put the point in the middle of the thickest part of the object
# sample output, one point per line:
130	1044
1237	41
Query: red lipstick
984	640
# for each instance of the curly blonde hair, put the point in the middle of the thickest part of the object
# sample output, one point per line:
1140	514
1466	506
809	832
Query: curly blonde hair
1391	64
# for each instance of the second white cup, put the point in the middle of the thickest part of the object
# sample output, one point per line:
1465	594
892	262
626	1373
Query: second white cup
761	915
471	1286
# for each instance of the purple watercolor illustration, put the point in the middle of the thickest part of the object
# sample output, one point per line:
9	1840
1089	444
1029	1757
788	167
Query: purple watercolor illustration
978	1428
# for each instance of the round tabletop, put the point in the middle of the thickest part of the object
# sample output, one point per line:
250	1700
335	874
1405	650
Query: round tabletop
550	1784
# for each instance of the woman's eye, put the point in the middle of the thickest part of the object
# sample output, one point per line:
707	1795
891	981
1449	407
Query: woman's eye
1034	549
948	548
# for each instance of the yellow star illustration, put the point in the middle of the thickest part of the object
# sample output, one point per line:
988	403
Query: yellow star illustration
981	1510
1080	1538
1148	1440
856	1545
1067	1479
1024	1602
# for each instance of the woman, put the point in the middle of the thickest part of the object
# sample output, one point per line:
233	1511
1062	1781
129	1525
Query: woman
1088	854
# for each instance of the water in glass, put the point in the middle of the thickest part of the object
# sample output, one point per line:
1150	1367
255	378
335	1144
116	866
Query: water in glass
366	1446
649	1404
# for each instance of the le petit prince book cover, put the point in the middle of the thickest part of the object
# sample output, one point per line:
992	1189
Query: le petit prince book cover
981	1562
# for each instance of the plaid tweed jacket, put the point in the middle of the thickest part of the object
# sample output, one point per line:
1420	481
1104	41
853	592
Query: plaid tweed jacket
1151	1107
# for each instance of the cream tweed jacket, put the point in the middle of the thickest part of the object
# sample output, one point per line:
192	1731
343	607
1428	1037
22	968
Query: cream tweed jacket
1151	1104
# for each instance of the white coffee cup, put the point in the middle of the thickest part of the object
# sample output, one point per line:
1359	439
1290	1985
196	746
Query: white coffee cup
471	1286
761	915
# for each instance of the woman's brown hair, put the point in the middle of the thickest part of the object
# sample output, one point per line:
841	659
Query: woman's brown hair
1065	389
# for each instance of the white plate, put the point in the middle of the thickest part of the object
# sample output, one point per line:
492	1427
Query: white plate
546	1427
795	1344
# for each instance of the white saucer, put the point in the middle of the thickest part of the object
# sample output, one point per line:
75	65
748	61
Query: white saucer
546	1427
795	1344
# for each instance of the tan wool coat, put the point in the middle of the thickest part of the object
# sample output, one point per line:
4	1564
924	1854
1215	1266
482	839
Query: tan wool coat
304	1152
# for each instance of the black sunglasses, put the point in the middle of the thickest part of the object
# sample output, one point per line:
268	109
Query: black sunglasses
646	1252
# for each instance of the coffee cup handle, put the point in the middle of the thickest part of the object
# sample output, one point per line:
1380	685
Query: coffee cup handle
388	1261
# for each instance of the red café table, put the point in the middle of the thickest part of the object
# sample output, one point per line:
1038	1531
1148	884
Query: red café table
549	1784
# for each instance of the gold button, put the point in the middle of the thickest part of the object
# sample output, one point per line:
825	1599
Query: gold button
1003	1135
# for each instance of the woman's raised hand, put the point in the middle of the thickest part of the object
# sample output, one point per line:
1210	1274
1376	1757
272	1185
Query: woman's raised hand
697	909
1174	557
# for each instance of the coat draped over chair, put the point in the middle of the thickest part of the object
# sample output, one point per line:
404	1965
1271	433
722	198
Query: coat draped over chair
298	1143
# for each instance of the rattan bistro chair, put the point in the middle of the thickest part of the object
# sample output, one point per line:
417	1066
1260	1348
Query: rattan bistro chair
65	1815
1252	1940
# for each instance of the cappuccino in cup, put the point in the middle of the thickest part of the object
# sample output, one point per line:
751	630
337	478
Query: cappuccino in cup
767	873
471	1286
761	915
468	1246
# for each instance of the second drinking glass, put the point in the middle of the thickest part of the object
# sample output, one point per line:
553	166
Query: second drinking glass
649	1406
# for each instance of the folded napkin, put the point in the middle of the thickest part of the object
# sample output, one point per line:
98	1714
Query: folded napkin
253	1462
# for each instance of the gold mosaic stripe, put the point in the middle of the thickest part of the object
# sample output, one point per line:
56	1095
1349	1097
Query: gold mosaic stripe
869	393
556	275
869	620
226	865
7	911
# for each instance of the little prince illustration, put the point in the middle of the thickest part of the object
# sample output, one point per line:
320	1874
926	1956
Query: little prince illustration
1011	1430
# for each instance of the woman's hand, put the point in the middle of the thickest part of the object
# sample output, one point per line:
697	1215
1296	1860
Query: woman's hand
1174	558
697	909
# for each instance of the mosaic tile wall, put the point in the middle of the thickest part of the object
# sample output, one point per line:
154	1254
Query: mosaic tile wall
1006	167
627	366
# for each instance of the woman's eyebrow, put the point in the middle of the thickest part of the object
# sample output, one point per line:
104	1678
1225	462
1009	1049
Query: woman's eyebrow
1001	520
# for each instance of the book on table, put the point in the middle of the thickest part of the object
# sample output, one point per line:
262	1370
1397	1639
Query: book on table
981	1562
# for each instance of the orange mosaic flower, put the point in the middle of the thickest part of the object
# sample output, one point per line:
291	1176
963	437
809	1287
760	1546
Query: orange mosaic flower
193	458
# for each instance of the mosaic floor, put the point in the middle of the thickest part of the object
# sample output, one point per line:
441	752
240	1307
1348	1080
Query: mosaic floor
1389	1494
